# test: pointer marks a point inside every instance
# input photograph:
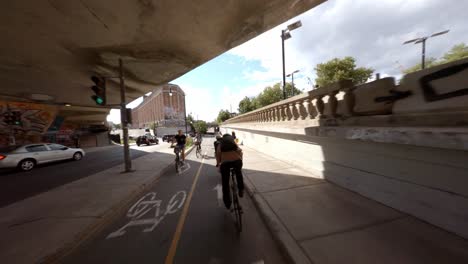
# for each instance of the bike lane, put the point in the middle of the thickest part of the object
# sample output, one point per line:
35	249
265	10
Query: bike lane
202	233
144	232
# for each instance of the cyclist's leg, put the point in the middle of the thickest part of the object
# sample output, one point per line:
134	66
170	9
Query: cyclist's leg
240	179
225	182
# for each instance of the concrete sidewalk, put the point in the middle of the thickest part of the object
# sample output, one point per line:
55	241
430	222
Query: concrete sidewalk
47	225
318	222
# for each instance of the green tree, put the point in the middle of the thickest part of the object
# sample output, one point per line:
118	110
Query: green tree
201	126
190	121
246	105
457	52
274	94
430	62
269	95
341	69
223	115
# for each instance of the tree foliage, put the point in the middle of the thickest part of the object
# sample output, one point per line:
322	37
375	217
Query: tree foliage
191	121
430	62
341	69
269	95
223	115
457	52
201	126
246	105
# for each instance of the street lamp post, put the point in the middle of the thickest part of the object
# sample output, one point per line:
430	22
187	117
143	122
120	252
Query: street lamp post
285	34
423	41
292	80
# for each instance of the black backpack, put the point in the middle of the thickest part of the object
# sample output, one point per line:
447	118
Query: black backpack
227	144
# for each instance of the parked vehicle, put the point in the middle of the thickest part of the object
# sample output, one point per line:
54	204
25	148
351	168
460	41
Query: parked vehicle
168	138
147	139
26	157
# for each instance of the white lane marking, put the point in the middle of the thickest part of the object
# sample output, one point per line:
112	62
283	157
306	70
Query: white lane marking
184	168
219	190
144	205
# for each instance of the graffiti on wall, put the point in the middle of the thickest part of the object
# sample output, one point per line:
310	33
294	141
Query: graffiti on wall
429	92
22	123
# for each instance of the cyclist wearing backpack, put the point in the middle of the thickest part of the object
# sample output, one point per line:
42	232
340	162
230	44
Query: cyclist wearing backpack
229	155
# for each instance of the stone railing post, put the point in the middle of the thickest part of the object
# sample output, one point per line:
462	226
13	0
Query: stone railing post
333	103
297	110
308	114
285	112
320	106
291	111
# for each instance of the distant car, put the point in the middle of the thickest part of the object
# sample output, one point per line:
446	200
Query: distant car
26	157
168	138
147	139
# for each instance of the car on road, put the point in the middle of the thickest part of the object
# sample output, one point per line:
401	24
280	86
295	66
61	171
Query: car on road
26	157
168	138
147	139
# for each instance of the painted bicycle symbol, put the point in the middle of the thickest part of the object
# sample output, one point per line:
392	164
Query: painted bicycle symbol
144	206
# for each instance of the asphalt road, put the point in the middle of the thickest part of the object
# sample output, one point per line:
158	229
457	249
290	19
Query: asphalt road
180	220
16	185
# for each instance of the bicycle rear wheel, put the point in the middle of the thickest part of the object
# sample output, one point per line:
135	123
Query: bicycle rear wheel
198	153
235	200
177	164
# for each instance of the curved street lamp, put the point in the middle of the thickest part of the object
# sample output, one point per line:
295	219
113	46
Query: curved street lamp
285	34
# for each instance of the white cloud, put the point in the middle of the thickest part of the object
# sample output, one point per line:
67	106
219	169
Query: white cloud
371	31
200	102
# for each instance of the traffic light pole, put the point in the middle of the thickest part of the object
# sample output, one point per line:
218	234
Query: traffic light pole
123	119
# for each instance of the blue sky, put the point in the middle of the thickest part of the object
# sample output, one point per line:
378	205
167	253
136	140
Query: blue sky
370	31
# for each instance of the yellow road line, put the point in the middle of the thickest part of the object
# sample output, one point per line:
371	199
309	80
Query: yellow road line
175	240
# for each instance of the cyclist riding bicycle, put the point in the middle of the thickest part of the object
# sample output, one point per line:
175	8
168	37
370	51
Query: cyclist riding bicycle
198	140
180	139
229	155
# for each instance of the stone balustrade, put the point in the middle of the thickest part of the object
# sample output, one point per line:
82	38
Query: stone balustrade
301	107
438	93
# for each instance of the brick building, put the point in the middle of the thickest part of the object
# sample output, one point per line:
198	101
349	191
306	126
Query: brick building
165	106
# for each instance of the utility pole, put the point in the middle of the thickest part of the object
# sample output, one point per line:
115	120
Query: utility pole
284	68
124	120
423	41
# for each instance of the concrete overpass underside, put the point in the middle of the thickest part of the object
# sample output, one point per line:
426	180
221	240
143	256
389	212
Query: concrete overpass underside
53	47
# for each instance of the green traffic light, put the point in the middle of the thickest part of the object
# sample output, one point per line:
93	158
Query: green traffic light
98	100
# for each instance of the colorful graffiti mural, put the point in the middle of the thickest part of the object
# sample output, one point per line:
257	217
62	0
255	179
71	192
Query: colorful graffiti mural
31	122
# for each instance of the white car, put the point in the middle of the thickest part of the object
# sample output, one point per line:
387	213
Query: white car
26	157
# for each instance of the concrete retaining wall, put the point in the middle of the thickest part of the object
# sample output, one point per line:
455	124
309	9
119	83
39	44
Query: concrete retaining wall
429	183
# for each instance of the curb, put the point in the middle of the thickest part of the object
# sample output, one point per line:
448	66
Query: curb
116	210
288	245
